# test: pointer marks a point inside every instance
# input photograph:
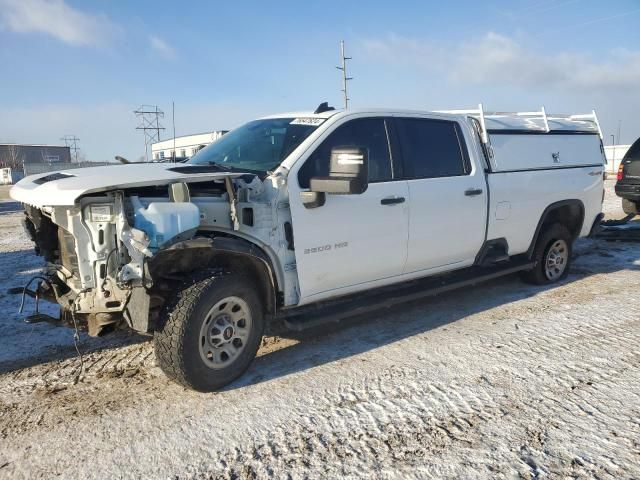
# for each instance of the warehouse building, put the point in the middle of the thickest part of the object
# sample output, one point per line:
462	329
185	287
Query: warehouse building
18	160
183	147
13	155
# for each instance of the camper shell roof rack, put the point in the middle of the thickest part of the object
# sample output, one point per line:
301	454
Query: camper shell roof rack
532	121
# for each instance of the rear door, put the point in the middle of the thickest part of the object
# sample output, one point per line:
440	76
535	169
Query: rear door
351	241
447	192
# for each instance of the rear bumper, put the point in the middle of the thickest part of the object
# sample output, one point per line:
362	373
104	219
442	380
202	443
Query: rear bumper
630	191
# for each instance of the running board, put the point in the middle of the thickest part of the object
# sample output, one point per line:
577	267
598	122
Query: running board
312	316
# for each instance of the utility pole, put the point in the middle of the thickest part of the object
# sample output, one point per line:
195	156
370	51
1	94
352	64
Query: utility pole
71	141
173	119
345	78
149	116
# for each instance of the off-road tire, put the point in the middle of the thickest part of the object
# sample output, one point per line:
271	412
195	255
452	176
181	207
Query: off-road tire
630	207
176	340
547	238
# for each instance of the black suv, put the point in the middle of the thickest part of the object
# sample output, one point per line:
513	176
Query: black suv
628	184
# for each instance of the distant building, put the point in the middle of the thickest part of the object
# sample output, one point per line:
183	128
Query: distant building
185	146
17	160
15	156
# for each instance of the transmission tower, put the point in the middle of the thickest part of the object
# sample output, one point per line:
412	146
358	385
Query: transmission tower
149	117
71	141
345	78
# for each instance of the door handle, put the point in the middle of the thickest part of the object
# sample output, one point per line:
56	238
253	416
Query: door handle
392	200
472	192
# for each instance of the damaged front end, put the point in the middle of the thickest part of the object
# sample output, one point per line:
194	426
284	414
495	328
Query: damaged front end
116	254
95	263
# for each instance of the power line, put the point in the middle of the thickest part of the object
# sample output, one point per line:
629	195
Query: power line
71	141
590	22
149	116
345	78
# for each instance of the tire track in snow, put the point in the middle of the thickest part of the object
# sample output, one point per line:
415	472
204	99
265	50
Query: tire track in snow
426	419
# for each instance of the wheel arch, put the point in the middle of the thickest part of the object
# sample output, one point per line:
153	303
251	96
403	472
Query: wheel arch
229	252
569	213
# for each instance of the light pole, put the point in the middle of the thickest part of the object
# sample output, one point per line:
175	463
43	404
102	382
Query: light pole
613	155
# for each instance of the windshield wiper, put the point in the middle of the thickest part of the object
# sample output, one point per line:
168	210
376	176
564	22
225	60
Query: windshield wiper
216	164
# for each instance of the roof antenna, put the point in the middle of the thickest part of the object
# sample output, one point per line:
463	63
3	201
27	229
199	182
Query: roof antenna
323	107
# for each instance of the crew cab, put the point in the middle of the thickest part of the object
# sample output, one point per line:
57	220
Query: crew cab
310	217
628	180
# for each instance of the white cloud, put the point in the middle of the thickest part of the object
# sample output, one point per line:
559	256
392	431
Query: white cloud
499	60
398	50
162	48
57	19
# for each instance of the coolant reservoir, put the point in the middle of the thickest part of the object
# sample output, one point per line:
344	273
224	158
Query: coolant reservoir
163	221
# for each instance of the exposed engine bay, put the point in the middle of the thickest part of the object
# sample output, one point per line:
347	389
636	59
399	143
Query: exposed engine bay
114	257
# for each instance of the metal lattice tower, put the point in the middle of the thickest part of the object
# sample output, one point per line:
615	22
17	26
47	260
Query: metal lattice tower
71	141
149	116
345	78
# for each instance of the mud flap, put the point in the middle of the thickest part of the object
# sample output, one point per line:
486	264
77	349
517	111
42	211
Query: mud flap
137	311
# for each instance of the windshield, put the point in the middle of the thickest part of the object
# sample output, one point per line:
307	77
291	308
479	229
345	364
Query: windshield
260	145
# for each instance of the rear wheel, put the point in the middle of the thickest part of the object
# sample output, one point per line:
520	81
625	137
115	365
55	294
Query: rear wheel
211	333
552	255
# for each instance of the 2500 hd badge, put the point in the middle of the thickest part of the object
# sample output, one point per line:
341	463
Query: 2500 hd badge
325	248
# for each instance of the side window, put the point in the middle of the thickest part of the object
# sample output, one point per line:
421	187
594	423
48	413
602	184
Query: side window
432	148
369	133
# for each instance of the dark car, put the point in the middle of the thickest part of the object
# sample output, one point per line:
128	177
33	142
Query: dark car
628	184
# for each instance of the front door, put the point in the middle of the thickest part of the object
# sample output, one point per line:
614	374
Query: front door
352	242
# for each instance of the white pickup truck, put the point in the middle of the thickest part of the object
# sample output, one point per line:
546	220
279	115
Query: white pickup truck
310	217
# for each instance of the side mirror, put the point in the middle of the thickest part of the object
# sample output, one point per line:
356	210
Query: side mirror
348	172
348	175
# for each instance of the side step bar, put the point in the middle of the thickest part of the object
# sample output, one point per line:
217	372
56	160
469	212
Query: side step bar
311	316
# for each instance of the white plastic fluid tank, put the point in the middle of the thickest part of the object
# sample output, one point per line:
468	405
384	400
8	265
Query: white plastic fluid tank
162	221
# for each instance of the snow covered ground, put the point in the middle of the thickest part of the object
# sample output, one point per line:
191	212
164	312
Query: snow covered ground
496	381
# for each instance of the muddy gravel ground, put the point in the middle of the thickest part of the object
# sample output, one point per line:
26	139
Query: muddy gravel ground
500	380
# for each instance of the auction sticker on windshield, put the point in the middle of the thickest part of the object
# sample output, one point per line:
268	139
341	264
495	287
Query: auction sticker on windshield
313	122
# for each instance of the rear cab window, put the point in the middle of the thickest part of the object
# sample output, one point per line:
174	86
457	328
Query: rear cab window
432	148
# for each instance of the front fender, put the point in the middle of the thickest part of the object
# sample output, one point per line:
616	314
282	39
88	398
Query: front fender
182	258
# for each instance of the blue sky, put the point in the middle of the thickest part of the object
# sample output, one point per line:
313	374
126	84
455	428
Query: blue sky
73	67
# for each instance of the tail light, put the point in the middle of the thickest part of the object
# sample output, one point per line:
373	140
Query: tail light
620	172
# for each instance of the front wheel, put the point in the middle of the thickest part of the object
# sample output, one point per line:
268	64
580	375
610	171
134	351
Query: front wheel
211	333
552	256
